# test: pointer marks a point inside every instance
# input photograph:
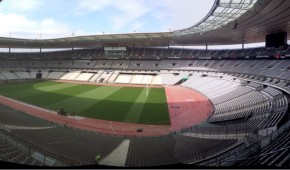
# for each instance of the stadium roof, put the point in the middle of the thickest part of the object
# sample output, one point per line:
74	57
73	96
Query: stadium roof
228	22
265	17
136	39
222	13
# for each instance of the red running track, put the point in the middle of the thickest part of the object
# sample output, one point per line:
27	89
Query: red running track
186	107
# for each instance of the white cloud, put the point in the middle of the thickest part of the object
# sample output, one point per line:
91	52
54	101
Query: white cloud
22	27
119	16
165	14
175	14
185	13
137	25
86	6
120	13
128	13
22	5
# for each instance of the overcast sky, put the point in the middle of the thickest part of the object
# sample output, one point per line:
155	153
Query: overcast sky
61	18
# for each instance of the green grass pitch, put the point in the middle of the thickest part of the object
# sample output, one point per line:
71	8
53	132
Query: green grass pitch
123	104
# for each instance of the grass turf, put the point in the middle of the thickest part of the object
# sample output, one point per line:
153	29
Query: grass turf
123	104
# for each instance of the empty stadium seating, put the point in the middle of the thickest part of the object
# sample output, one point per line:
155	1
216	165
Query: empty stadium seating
249	98
275	154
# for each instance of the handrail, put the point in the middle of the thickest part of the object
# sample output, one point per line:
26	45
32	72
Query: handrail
255	146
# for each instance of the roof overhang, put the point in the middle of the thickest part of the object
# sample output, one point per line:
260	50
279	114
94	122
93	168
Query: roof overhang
91	41
259	19
222	13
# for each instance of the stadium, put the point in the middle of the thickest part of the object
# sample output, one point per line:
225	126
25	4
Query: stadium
143	100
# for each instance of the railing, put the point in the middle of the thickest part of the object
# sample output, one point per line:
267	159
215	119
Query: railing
44	158
223	131
253	143
46	155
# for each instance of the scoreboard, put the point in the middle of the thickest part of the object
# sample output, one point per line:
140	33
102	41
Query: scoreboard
115	51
